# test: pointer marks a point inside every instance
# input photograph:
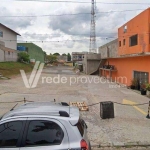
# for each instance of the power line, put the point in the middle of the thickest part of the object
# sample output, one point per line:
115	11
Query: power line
108	3
107	37
58	15
50	1
123	104
48	15
100	33
56	41
59	35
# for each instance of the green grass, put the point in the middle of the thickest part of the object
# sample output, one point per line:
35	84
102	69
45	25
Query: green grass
9	69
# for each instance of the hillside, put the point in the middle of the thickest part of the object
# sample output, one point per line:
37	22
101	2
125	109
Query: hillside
9	69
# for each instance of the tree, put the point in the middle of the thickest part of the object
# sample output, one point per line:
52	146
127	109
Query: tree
44	55
51	58
56	54
64	54
68	57
23	56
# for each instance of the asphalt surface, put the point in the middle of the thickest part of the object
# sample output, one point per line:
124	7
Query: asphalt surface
129	127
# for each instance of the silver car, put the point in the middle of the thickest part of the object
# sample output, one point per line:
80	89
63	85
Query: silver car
43	126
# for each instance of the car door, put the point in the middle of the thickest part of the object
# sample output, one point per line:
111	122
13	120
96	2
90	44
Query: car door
10	134
45	134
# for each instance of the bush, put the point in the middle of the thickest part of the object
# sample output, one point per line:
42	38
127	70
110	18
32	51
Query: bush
148	86
22	56
134	82
51	58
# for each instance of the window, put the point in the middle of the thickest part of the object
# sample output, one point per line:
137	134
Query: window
9	134
119	43
133	40
44	133
125	29
124	42
142	76
1	34
8	53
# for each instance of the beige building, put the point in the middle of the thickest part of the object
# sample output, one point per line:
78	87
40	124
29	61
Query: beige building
62	58
8	44
78	57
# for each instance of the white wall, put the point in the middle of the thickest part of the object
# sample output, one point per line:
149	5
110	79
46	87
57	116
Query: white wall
11	56
8	35
1	55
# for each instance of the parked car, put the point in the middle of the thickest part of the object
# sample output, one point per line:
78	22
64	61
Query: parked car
43	126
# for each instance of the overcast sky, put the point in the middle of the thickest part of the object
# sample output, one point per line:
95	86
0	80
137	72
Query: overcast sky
70	33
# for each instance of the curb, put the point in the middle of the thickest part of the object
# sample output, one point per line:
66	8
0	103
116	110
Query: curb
120	144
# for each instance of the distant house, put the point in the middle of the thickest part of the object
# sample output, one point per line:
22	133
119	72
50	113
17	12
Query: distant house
62	58
78	57
8	44
35	52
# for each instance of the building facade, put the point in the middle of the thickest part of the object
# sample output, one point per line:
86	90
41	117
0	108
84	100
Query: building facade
132	57
8	44
8	37
62	58
78	57
35	52
91	63
109	49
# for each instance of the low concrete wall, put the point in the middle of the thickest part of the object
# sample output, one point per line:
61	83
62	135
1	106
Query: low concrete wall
91	63
91	56
2	43
11	56
109	50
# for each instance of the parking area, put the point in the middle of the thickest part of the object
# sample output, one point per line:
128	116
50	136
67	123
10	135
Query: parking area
129	127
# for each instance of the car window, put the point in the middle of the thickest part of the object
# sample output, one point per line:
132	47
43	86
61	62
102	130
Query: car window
44	133
9	133
80	127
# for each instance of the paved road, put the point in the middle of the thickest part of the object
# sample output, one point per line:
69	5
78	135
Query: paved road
59	70
129	127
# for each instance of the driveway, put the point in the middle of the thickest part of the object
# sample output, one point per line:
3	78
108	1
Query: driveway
129	127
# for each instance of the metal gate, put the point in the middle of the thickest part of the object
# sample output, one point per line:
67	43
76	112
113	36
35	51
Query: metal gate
143	77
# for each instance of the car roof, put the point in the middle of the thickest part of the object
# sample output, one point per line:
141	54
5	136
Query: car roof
45	109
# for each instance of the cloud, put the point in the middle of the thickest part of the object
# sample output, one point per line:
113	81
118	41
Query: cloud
15	23
67	27
79	26
72	24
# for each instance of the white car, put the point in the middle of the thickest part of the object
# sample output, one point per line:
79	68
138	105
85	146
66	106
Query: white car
43	126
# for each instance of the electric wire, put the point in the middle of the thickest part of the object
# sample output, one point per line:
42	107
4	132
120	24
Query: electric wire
87	105
108	3
75	14
121	104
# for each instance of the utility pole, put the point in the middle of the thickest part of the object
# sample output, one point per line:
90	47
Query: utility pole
93	47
